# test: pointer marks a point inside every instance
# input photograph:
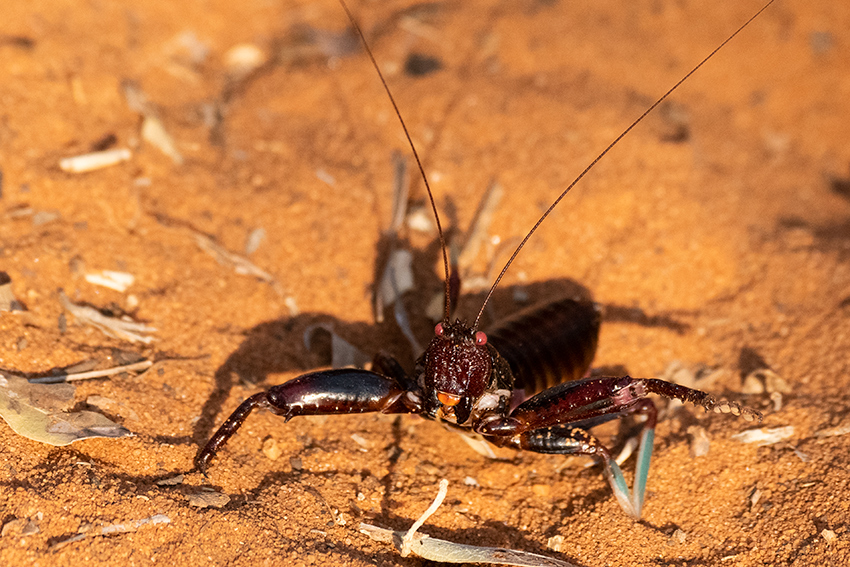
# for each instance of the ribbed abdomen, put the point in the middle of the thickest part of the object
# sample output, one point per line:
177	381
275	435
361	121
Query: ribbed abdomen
549	343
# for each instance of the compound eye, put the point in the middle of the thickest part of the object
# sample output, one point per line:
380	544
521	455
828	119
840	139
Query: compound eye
480	338
439	330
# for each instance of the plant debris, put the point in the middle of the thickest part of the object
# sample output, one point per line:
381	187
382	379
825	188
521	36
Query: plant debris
8	301
21	527
433	549
396	280
833	431
342	353
171	481
243	266
37	412
477	236
119	281
397	273
112	529
700	441
73	377
153	130
94	160
765	435
117	328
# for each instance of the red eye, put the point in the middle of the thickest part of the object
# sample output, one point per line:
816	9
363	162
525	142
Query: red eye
480	338
438	330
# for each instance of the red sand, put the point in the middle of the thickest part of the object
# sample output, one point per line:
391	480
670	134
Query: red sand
740	232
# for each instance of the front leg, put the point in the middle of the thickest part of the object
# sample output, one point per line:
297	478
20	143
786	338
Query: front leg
327	392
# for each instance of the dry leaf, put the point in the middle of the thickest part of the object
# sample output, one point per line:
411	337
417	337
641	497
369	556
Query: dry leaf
36	411
765	436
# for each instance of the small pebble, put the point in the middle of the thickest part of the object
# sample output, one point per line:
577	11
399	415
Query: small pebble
754	499
776	398
254	239
171	481
773	382
296	463
208	499
828	535
361	441
271	449
752	385
41	218
242	59
677	537
420	220
700	441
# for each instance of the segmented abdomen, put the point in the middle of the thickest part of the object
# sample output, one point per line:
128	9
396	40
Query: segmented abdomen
548	344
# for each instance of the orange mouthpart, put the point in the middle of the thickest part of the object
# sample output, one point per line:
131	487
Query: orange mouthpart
448	400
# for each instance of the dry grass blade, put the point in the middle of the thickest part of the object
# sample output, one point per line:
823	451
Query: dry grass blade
243	266
123	528
478	233
433	549
116	328
135	367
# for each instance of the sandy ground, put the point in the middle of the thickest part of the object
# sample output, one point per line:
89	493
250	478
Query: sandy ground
727	213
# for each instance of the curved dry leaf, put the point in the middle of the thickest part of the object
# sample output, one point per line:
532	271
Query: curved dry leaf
36	411
443	551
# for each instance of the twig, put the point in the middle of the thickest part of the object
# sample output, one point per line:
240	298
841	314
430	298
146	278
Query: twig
136	366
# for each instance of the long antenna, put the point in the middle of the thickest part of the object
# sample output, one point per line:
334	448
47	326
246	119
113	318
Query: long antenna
601	155
415	154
